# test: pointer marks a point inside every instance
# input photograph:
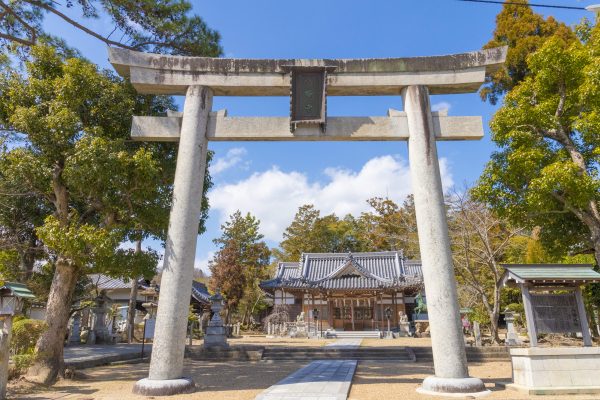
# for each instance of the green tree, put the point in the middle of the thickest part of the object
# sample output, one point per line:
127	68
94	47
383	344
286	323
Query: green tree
523	31
241	263
545	172
389	227
311	233
70	123
143	25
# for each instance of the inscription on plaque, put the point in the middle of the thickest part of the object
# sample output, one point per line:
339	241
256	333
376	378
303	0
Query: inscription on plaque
308	97
555	313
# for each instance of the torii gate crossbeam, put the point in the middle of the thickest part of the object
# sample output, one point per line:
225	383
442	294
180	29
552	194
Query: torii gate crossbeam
413	78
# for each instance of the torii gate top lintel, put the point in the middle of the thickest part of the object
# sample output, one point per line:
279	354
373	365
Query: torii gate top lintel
173	75
166	74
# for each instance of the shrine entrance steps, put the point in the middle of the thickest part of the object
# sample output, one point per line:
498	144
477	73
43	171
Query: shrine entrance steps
353	334
301	354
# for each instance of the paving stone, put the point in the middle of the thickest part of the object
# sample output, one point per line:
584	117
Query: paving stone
84	356
319	380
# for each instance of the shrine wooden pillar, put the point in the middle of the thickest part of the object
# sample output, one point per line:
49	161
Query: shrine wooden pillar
529	315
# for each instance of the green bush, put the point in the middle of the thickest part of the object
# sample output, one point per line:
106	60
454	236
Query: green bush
21	363
25	333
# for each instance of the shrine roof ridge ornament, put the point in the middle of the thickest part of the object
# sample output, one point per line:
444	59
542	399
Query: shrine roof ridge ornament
167	74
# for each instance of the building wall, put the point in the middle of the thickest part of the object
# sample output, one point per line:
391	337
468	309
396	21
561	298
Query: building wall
372	309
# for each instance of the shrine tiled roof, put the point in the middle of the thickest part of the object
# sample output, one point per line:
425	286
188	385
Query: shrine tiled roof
350	271
105	282
550	273
200	292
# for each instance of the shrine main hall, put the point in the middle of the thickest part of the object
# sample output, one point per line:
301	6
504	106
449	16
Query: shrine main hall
349	292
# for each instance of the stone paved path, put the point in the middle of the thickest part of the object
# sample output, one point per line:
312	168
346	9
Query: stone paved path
345	344
319	380
83	356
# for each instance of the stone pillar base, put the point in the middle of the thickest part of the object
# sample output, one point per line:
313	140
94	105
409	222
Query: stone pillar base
453	387
163	387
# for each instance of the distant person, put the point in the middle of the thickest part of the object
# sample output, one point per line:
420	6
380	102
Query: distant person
466	324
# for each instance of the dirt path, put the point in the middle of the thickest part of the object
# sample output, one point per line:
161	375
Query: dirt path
244	380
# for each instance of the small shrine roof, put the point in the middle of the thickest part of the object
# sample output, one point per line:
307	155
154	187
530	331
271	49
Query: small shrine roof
550	273
17	289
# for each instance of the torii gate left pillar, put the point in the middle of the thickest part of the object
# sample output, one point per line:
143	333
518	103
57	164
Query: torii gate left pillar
414	78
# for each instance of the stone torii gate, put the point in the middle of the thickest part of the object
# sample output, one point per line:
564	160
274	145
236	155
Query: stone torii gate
309	82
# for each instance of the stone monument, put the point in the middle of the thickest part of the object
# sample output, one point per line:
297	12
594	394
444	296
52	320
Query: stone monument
403	324
99	332
477	334
75	332
216	337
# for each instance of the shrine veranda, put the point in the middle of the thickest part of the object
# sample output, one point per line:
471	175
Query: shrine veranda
308	83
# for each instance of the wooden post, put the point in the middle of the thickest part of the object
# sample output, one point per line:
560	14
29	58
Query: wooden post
396	310
381	327
352	313
330	308
529	316
312	312
322	299
344	315
585	329
373	307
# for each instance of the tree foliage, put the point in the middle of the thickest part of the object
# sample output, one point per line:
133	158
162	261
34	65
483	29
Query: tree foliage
311	233
545	172
143	25
387	226
523	31
87	188
240	265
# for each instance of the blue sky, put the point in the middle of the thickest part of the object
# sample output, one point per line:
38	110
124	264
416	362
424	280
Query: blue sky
272	179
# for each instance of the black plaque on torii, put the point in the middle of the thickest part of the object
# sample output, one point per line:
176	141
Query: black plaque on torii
308	96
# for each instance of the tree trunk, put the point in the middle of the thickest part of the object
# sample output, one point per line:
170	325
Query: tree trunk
27	258
131	310
133	300
49	362
596	240
496	312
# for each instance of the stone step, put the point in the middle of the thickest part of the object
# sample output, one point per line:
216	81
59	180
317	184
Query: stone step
337	356
353	334
424	354
336	351
325	353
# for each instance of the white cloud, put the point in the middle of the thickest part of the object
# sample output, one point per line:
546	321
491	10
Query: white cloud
442	105
274	196
202	263
232	158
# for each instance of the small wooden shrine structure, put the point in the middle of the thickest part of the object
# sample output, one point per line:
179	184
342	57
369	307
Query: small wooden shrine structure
552	297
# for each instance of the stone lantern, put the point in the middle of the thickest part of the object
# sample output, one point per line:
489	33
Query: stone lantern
11	302
388	316
216	337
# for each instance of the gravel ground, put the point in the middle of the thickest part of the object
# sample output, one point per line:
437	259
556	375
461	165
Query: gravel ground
244	380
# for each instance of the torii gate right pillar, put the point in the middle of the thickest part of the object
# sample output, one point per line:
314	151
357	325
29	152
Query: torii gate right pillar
449	357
